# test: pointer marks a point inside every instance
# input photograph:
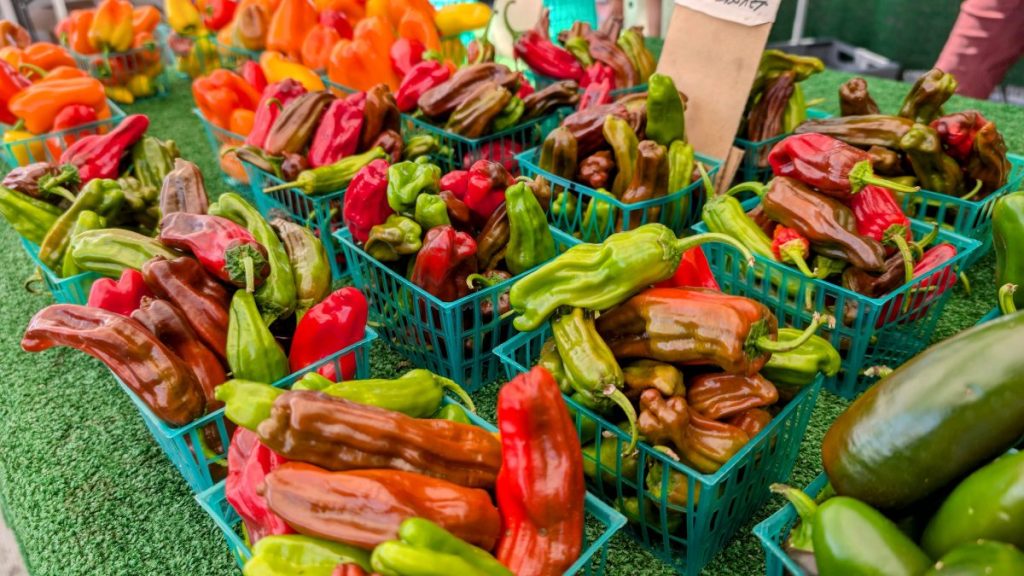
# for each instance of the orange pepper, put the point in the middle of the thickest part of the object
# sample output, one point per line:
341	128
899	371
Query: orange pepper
38	104
11	55
74	31
352	9
397	9
63	73
379	9
355	65
415	25
111	27
226	35
47	56
230	163
316	48
376	31
241	121
276	68
148	50
145	19
11	34
288	26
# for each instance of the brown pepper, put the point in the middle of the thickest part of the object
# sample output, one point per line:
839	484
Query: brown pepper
183	190
292	165
442	100
380	113
720	395
564	93
587	126
765	119
25	179
458	212
863	131
854	98
204	301
885	162
701	443
391	142
987	162
603	49
297	123
595	170
650	180
751	421
473	117
492	239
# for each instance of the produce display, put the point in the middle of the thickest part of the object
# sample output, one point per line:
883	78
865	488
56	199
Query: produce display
776	103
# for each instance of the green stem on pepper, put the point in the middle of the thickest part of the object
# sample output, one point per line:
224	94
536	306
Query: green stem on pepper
766	344
800	537
895	234
862	174
1006	304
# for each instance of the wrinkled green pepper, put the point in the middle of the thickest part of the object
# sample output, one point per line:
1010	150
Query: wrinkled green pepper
666	122
87	220
109	251
252	352
398	236
680	175
30	218
776	62
431	211
296	554
310	266
796	110
622	138
797	368
935	170
724	214
924	101
530	241
563	207
509	116
152	159
426	549
417	393
101	196
333	177
407	180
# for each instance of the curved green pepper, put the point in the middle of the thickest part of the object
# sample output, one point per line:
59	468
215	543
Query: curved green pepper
247	403
666	120
407	180
935	170
295	554
799	367
453	412
1007	239
101	196
87	220
851	537
31	218
509	115
425	535
530	241
310	266
153	159
580	48
551	361
109	251
796	110
333	177
631	41
680	175
417	393
981	558
252	352
398	236
625	146
431	211
724	214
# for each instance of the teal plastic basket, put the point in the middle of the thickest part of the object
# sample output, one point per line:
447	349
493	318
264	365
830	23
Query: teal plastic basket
573	214
774	530
454	339
189	448
602	523
869	332
115	69
49	147
217	137
755	166
71	290
685	535
501	147
219	55
322	214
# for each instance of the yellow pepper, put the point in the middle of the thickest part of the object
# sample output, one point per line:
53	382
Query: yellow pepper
111	27
24	153
276	68
119	94
183	17
202	57
140	86
455	19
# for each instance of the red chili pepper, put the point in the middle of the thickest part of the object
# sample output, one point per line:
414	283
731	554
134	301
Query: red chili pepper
444	262
456	182
339	21
541	54
598	72
420	78
524	87
336	322
219	13
122	296
227	250
881	218
832	166
252	73
249	462
275	97
72	116
485	190
693	272
337	136
958	131
366	200
921	296
599	89
406	53
100	156
790	247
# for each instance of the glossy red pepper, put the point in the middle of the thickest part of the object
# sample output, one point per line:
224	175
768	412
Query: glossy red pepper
444	262
122	296
275	97
485	190
596	93
598	72
99	156
227	250
253	74
879	216
525	88
249	462
337	136
366	200
336	322
541	54
219	13
420	78
339	21
958	131
925	293
830	165
791	247
72	116
693	272
406	53
11	82
456	182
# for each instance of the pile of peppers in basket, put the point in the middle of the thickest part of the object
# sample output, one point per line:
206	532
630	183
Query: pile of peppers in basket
376	476
826	213
960	154
690	370
776	103
633	150
453	233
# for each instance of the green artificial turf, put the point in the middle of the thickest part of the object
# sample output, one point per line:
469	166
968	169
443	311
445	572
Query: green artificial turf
88	492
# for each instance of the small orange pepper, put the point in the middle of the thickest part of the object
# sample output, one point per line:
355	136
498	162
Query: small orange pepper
377	32
415	25
47	56
241	121
397	9
63	73
38	104
145	19
74	31
379	9
288	26
354	64
316	48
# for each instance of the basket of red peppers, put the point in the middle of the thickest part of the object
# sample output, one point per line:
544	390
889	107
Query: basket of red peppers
219	291
829	233
958	159
687	401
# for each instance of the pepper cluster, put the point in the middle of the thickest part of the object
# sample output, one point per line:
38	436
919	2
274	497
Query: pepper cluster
776	103
960	154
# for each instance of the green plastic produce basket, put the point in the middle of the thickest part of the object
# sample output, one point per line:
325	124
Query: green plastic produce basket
755	166
322	213
48	147
217	137
115	69
685	533
192	448
774	530
869	332
573	214
462	152
71	290
454	339
209	56
602	522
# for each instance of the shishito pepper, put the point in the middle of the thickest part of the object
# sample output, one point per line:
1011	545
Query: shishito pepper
87	220
530	241
310	266
923	103
426	549
226	250
185	282
332	177
1007	239
333	324
723	214
935	170
417	393
297	554
665	111
252	351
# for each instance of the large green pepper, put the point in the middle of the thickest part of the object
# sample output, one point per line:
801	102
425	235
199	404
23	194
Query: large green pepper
398	236
724	214
621	137
799	367
252	352
417	393
310	266
988	504
29	217
530	241
1008	241
599	276
426	549
599	216
431	211
981	558
101	196
276	297
247	403
666	122
110	251
295	554
152	159
87	220
935	170
407	180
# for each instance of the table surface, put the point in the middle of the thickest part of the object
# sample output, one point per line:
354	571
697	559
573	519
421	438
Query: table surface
87	491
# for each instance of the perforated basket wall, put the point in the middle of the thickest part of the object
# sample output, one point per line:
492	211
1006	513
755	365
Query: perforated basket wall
774	530
71	290
217	138
461	152
49	147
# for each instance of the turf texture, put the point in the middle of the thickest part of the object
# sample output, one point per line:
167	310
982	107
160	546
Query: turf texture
88	492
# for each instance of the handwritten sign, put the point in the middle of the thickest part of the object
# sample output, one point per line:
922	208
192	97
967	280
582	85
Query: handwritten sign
746	12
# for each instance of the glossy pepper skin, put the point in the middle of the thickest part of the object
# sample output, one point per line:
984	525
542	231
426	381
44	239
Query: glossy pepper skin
332	177
87	220
987	162
111	28
558	153
426	549
249	461
418	393
561	94
297	554
649	181
850	537
625	145
297	123
122	296
252	352
880	217
862	131
275	97
720	396
936	257
110	251
186	283
38	104
473	118
958	132
767	116
530	242
604	49
541	54
310	266
923	103
225	249
153	159
337	135
99	156
981	557
935	170
1007	238
791	247
723	214
855	100
158	376
799	367
335	505
220	93
183	190
101	196
336	322
11	82
366	200
29	217
288	26
407	180
443	263
540	488
693	272
417	81
665	109
702	443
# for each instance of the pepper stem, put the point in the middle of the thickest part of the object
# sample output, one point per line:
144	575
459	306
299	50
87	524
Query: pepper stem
60	191
684	244
451	386
1006	304
965	282
32	68
795	254
801	536
862	175
250	274
508	25
285	186
973	193
485	281
755	187
766	344
925	240
620	400
895	235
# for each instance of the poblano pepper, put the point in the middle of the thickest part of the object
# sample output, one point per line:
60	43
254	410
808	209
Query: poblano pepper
109	251
407	180
417	393
398	236
296	554
101	196
30	218
1008	239
431	211
252	352
622	138
665	112
530	242
87	220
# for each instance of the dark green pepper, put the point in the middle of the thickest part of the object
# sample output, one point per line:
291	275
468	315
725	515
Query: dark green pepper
417	393
295	554
398	236
431	211
924	101
622	138
530	241
423	145
141	203
551	360
453	412
981	558
310	266
252	352
31	218
680	175
152	159
407	180
851	537
935	170
426	549
792	370
101	196
109	251
509	116
666	120
1008	240
333	177
87	220
599	216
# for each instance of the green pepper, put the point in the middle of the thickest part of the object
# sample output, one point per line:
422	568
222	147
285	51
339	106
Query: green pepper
87	220
398	236
599	216
31	218
426	549
407	180
252	352
564	206
724	214
796	110
801	537
110	251
631	41
643	374
455	413
678	484
988	505
423	145
621	137
1008	240
776	62
101	196
680	175
630	508
509	115
152	159
981	558
310	266
295	554
666	121
935	170
552	362
586	427
333	177
276	297
799	367
825	266
431	211
580	48
141	202
417	393
247	403
608	458
923	103
530	241
851	537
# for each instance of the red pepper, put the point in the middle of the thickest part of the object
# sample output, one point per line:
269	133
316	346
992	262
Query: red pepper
790	247
337	136
122	296
598	72
100	156
503	151
417	81
249	462
958	131
219	13
11	82
525	88
456	182
693	272
406	53
336	322
339	21
444	262
366	200
832	166
275	97
252	73
921	296
485	190
599	83
881	218
538	51
227	250
540	488
72	116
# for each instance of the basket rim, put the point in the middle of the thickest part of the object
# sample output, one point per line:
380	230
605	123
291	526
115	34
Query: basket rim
116	115
475	142
217	129
769	527
51	276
